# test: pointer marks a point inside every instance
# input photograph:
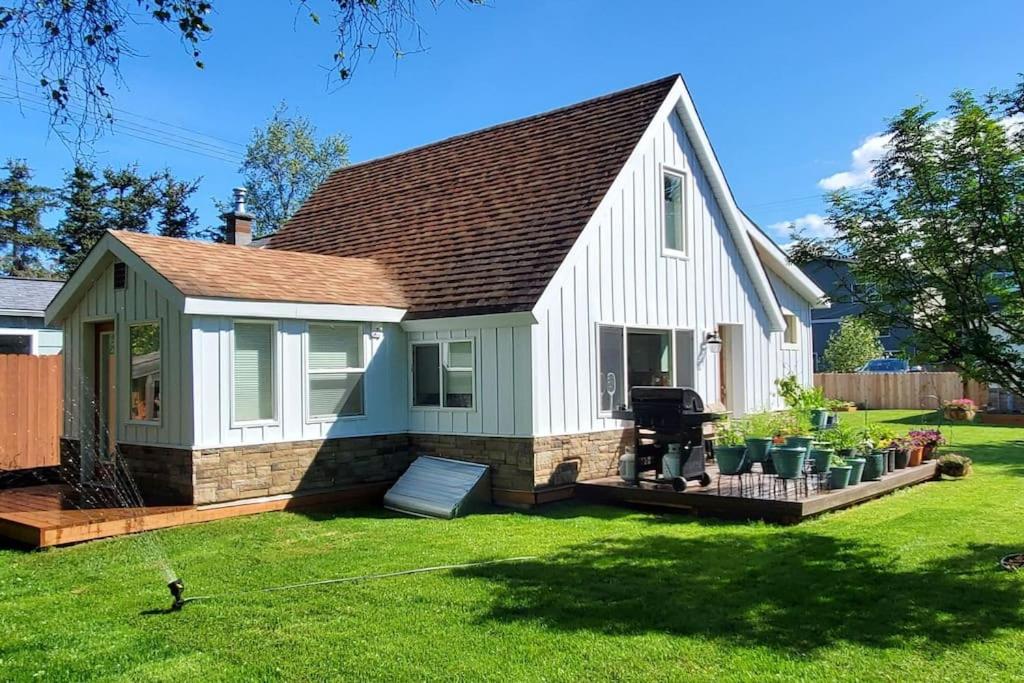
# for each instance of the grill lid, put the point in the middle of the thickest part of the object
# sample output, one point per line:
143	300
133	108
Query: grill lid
689	399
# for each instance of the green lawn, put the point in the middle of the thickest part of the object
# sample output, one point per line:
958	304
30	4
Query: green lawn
906	587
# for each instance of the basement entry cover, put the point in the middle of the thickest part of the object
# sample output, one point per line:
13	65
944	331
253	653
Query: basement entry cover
439	487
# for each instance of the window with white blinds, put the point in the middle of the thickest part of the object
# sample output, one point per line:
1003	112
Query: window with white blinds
253	371
335	369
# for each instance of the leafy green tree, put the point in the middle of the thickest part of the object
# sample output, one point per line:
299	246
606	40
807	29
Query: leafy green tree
284	162
131	199
68	51
938	235
176	218
83	199
21	229
852	345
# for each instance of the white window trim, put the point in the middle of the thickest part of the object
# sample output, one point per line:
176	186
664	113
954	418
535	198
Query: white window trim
650	329
787	345
306	372
443	354
275	363
33	335
683	175
160	332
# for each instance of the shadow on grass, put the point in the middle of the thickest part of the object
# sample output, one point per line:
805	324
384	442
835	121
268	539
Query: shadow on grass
795	592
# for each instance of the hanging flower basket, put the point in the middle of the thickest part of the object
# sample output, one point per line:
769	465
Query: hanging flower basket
960	410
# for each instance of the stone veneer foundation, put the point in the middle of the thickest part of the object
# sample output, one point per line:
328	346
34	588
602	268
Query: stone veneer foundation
524	470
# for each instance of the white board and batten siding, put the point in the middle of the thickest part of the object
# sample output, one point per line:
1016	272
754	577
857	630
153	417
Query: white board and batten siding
618	274
139	301
502	381
384	386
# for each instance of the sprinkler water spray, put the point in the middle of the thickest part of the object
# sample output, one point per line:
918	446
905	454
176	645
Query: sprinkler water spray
177	587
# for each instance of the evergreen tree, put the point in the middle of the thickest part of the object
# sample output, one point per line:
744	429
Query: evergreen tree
175	217
83	199
21	228
131	199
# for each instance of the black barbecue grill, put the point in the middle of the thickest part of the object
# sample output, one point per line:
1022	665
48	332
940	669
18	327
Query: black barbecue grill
663	416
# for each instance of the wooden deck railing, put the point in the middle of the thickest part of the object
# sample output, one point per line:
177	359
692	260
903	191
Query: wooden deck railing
31	411
895	391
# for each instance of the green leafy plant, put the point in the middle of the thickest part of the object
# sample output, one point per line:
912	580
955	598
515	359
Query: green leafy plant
837	461
842	437
731	433
797	397
852	345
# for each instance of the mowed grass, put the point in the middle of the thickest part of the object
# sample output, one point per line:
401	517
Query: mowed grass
903	588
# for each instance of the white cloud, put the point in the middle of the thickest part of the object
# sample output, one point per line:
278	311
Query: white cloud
862	160
812	224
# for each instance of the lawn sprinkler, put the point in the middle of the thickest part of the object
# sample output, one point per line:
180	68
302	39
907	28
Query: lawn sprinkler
177	587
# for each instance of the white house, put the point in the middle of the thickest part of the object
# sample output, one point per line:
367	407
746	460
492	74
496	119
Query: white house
490	297
23	304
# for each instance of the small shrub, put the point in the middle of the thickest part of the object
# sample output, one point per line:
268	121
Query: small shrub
955	465
731	433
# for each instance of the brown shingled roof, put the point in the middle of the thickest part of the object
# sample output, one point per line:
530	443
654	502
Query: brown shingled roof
202	269
478	223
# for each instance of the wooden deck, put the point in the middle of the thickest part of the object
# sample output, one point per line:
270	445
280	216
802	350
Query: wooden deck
763	504
42	516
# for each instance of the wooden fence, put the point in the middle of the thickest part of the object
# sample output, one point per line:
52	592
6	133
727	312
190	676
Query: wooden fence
31	411
890	390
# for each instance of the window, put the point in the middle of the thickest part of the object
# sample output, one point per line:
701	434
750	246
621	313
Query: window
144	346
885	333
791	336
631	358
334	371
674	213
443	375
15	343
253	371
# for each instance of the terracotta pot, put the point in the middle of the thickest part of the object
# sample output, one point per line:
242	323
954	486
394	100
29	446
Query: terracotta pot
916	455
929	451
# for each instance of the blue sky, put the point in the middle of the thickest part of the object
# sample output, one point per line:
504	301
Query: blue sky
788	91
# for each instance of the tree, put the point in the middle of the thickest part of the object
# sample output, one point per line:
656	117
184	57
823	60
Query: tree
852	345
21	207
284	162
131	199
938	235
176	218
68	52
83	200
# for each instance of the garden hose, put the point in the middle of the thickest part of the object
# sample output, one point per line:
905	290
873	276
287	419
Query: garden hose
180	602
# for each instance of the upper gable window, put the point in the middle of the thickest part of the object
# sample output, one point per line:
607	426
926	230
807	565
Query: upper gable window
674	213
791	335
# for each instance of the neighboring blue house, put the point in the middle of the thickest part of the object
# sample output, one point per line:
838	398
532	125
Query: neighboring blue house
23	304
834	278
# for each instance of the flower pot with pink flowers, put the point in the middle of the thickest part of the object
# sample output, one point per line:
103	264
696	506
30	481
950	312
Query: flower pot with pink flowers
960	410
928	440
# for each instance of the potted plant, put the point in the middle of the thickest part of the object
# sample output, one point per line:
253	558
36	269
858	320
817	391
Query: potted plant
857	463
761	429
916	454
874	465
789	461
960	410
843	439
838	473
928	440
730	447
822	457
901	453
954	465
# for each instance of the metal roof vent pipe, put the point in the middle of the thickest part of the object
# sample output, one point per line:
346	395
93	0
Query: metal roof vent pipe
238	221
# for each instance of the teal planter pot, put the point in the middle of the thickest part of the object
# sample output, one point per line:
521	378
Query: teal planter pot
839	477
819	418
856	471
803	442
789	461
758	449
730	459
821	458
874	466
